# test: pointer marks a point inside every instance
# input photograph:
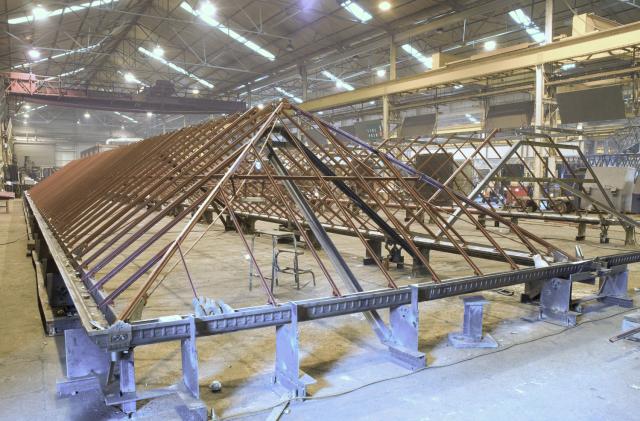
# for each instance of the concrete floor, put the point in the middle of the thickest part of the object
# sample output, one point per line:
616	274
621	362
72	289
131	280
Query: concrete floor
539	371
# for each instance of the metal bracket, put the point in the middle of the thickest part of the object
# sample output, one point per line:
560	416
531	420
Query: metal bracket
555	302
403	342
86	363
613	286
287	372
471	335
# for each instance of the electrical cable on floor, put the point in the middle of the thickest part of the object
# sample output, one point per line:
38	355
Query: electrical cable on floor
13	241
345	392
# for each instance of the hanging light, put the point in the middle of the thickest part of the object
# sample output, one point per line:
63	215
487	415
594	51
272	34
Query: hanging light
34	54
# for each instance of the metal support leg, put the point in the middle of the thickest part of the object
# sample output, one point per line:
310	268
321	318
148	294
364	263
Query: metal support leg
376	246
395	256
613	286
555	302
630	236
582	231
417	268
482	221
190	361
127	382
471	335
287	373
403	343
604	234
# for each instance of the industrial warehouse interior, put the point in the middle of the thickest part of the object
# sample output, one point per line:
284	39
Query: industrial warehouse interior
320	210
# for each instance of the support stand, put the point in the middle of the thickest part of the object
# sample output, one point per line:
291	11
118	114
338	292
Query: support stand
112	372
471	335
418	270
555	302
395	256
376	246
288	373
604	234
403	343
582	231
613	286
630	235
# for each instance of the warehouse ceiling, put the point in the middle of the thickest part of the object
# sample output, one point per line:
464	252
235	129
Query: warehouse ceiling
223	49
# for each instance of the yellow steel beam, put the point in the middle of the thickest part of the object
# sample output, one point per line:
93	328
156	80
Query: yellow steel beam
585	45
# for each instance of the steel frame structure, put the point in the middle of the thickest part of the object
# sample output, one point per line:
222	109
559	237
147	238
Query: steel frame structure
473	155
89	219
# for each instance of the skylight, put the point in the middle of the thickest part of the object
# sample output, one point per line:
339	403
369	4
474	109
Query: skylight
175	67
55	56
208	19
133	120
39	13
356	10
525	22
339	82
427	61
289	94
472	118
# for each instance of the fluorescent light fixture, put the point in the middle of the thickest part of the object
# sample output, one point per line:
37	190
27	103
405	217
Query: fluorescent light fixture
237	88
289	94
456	87
133	120
356	10
385	6
158	51
195	91
427	61
28	107
33	53
87	115
339	82
55	56
175	67
149	114
207	9
40	13
131	78
261	78
228	32
69	73
26	116
568	66
381	72
490	45
521	18
472	118
372	103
